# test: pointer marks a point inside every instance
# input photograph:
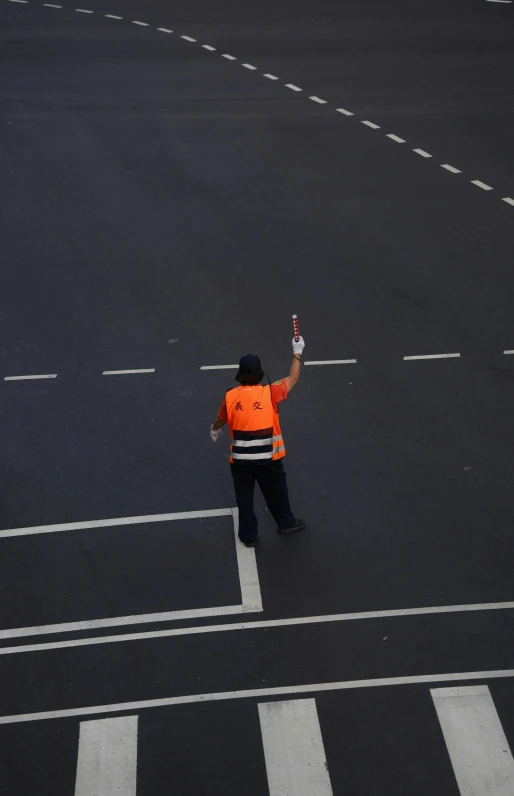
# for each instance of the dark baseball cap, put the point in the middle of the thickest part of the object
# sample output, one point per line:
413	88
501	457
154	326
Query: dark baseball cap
248	364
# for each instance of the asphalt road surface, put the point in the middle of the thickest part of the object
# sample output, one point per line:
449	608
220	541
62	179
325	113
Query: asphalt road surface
176	181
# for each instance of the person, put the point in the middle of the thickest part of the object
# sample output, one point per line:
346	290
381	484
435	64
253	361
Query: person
257	448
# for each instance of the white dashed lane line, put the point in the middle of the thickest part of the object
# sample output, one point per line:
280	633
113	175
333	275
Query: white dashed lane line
127	372
219	367
433	356
450	168
314	98
509	351
481	185
331	362
31	378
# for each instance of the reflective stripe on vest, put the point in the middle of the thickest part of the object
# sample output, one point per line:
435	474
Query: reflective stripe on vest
254	425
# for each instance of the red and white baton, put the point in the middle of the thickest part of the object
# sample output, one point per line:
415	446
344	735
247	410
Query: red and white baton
296	328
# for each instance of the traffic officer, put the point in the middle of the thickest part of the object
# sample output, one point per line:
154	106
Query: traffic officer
257	447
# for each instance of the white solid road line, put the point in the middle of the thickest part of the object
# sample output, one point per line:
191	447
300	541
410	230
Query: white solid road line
293	87
115	521
255	625
219	367
479	751
107	757
371	124
208	47
345	112
395	138
318	100
508	200
331	362
433	356
258	693
30	378
127	372
296	764
271	77
450	168
422	153
481	185
251	598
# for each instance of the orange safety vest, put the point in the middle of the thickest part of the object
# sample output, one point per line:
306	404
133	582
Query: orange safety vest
254	426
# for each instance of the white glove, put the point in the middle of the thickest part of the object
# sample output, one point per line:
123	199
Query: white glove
215	434
298	345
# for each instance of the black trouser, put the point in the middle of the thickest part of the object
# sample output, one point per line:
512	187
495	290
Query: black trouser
273	484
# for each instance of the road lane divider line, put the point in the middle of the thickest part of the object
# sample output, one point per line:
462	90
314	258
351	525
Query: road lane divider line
258	693
188	38
396	138
320	101
344	112
142	24
422	153
31	378
508	200
371	124
293	87
234	626
114	16
452	169
127	372
294	752
250	67
478	748
229	57
107	757
271	77
331	362
219	367
208	47
84	11
481	185
432	356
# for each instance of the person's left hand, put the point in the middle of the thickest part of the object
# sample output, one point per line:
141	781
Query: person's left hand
215	434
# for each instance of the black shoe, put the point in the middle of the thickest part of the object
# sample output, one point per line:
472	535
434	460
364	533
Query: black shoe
299	525
253	543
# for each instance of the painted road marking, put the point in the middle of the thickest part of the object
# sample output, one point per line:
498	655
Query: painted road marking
344	685
165	30
250	67
84	11
271	77
19	1
318	100
114	16
51	5
345	112
293	87
331	362
481	185
296	764
219	367
208	47
450	168
229	57
107	757
395	138
498	1
509	351
256	625
508	200
371	124
30	378
126	372
479	751
143	24
422	153
188	38
251	599
433	356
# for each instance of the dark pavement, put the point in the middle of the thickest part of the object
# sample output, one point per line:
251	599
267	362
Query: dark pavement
163	207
